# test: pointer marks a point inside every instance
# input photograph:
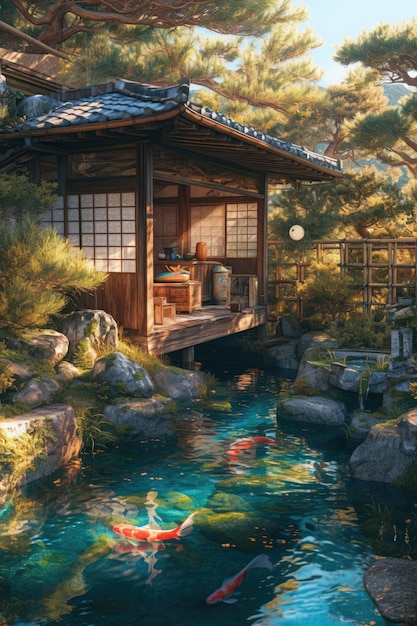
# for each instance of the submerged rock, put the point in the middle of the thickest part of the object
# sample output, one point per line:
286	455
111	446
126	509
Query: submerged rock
148	418
392	585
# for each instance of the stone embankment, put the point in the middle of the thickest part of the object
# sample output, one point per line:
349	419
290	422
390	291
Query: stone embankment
45	435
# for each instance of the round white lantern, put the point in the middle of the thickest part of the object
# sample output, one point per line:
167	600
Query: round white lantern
296	232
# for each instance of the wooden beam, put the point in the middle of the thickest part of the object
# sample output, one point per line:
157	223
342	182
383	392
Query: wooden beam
144	238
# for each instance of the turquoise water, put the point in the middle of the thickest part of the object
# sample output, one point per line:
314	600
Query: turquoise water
293	500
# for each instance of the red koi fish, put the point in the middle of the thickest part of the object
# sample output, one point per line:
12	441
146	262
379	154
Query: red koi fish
145	533
226	592
244	446
248	442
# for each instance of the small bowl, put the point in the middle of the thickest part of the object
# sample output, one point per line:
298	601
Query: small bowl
161	256
189	256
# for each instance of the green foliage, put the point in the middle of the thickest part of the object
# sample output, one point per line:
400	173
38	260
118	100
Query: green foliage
361	331
95	430
39	270
327	293
390	52
20	199
375	131
364	203
83	357
24	453
261	79
6	377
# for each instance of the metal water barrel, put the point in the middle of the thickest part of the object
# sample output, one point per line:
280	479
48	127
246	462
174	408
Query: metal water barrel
221	285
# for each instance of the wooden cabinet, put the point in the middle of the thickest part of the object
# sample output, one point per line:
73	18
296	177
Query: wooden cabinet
201	271
185	296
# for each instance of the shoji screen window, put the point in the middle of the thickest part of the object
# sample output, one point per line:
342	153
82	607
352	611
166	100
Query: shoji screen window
207	224
241	230
103	225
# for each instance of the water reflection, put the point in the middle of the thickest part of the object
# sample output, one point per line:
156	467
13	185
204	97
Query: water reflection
255	488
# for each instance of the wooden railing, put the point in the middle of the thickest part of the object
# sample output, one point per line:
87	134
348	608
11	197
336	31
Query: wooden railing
384	271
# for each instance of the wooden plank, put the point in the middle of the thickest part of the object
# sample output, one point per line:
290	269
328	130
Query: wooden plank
199	327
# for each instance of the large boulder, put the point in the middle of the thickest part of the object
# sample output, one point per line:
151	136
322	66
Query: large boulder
314	410
282	356
151	418
312	377
53	430
123	376
179	384
94	328
392	585
386	451
41	344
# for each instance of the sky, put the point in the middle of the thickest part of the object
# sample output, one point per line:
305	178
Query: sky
333	21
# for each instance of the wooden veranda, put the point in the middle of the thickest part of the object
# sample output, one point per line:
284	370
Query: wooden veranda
206	324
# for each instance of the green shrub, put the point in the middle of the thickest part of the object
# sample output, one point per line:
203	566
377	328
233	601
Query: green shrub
327	293
38	271
361	331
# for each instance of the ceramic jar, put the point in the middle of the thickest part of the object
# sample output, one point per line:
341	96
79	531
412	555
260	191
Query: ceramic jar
201	251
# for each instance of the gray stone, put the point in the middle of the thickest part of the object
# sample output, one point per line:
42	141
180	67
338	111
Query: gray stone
179	384
67	371
37	392
289	327
314	410
124	376
282	356
312	376
386	451
313	339
21	373
377	382
149	418
35	106
97	327
42	344
360	425
392	585
344	377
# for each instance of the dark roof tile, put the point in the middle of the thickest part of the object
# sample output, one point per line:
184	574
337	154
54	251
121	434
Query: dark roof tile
122	100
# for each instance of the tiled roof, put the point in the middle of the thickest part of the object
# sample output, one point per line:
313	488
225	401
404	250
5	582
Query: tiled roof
124	100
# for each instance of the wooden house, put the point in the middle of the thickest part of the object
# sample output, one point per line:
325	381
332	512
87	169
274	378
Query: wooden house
142	170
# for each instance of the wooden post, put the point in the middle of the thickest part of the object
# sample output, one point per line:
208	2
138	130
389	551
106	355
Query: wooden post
145	238
187	358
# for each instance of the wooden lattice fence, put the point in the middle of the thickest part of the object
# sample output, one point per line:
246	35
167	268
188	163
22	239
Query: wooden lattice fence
384	270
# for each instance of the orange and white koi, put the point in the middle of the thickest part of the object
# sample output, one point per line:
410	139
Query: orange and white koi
247	442
146	533
226	593
244	446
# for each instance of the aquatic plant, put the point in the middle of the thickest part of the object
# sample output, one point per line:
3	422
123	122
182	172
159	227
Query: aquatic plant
95	429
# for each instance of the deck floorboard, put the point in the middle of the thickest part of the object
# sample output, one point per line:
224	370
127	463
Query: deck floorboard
200	326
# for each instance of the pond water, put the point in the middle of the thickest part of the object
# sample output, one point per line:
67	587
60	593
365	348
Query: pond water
290	498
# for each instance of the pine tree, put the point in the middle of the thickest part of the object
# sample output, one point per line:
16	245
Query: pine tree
390	52
39	270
